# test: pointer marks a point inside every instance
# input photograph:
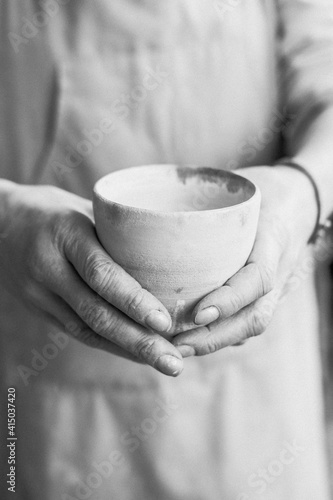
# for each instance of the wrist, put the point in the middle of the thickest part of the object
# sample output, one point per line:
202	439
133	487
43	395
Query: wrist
302	200
322	223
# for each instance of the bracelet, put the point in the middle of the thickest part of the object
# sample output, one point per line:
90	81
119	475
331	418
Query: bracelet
319	227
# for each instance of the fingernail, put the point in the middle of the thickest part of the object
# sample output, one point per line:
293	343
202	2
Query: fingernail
169	365
158	321
185	350
207	316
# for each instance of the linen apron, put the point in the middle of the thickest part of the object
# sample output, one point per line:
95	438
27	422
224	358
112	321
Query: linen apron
92	87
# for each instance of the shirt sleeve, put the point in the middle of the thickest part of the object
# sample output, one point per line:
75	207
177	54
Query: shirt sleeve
28	91
305	50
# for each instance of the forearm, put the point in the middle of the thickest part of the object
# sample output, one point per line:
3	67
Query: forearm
305	47
312	148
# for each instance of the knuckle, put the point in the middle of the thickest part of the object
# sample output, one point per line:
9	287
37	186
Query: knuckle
135	299
144	348
41	261
95	315
234	299
62	229
67	229
210	345
204	349
258	323
98	273
208	348
267	279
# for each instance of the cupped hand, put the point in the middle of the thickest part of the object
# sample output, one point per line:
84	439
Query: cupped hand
52	260
244	306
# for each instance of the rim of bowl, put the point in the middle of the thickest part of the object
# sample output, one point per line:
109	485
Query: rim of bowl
149	211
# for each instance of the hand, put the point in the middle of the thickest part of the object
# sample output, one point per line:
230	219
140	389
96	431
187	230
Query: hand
244	306
51	259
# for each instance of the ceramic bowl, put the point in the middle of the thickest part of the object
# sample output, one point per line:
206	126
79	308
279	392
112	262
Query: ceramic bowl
180	231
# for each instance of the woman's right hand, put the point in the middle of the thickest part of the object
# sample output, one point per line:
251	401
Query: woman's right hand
51	259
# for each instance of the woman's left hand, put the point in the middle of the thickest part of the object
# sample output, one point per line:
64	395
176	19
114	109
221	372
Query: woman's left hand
244	305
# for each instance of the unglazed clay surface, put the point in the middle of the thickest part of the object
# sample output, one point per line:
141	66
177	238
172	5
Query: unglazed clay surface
180	231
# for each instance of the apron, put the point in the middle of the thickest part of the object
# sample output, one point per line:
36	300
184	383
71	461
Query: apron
99	86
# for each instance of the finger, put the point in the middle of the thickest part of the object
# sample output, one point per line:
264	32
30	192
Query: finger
254	280
107	321
55	311
84	335
249	322
110	281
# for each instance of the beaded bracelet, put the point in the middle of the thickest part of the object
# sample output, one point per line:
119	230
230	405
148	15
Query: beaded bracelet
319	227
